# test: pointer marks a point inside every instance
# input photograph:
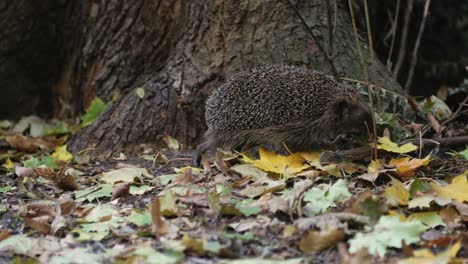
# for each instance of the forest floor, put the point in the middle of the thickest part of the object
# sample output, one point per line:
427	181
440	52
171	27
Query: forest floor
408	206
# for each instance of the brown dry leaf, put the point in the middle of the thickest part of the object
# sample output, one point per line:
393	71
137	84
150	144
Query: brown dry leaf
66	203
39	223
424	256
120	190
184	179
4	234
58	222
360	257
262	187
66	182
451	217
315	241
31	145
461	207
160	226
46	173
406	166
286	202
435	124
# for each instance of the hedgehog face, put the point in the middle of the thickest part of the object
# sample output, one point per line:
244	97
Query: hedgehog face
354	116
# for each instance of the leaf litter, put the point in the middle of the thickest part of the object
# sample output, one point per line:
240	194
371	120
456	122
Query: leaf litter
155	208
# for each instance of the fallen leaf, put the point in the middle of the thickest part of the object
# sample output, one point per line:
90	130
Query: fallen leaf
425	201
9	165
406	166
397	194
430	219
388	232
124	175
120	190
270	161
424	256
62	154
315	241
386	144
171	142
457	190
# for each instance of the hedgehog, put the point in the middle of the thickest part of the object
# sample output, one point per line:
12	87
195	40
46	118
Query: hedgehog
281	104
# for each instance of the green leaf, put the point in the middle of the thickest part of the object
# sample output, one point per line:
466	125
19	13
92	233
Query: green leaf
247	209
250	210
430	219
99	212
93	231
419	186
96	107
165	179
124	175
168	204
155	257
388	232
103	191
139	190
33	162
58	129
245	237
388	119
462	154
319	200
6	189
139	218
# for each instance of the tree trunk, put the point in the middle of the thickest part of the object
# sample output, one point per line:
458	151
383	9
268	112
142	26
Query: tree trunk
179	52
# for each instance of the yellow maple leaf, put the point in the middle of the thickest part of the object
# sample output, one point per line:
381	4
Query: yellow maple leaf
406	166
62	154
426	256
386	144
397	194
270	161
457	190
9	165
375	166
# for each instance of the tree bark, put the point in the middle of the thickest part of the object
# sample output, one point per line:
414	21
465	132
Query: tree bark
179	52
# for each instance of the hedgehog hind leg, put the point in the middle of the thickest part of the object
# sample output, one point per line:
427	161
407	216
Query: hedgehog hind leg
236	140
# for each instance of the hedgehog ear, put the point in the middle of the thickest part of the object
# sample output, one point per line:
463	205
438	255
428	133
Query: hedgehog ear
341	108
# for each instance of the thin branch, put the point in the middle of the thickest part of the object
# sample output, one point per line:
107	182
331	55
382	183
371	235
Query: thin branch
359	153
366	77
317	42
457	113
394	28
404	36
414	58
372	53
378	87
